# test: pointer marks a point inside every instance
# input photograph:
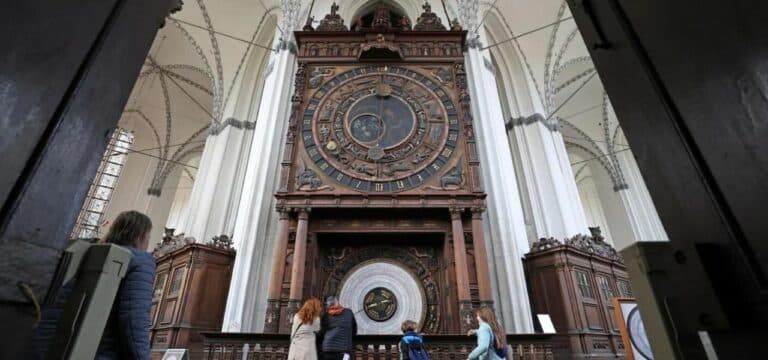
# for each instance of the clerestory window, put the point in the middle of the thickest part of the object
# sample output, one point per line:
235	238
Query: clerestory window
91	217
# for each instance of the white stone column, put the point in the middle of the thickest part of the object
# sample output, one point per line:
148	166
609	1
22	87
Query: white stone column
214	190
641	211
554	197
256	218
507	241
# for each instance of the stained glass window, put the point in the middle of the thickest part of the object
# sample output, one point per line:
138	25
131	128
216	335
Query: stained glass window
90	220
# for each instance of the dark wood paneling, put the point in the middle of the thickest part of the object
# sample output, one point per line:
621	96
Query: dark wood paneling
582	319
193	303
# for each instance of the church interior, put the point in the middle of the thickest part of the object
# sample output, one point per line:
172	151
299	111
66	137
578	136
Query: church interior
562	162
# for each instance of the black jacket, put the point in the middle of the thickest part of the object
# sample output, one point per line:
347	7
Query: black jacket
338	331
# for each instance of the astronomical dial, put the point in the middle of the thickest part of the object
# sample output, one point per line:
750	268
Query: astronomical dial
380	128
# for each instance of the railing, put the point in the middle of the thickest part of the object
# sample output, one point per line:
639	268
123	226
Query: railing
232	346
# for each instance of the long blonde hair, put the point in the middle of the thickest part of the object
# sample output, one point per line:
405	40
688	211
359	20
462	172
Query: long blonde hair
486	314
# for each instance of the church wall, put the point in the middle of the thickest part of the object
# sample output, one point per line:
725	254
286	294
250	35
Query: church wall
216	192
180	205
159	207
180	209
615	212
593	206
135	178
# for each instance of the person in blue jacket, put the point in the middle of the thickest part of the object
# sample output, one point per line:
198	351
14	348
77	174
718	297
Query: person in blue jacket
126	334
490	338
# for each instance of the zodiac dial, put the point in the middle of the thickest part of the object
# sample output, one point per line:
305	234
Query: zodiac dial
380	128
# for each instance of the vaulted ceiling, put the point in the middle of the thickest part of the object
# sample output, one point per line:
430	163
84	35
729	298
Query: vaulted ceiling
199	58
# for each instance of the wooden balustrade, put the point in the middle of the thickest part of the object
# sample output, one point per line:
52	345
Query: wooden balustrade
230	346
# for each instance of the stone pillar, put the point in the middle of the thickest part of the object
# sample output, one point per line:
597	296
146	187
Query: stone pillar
481	257
272	318
641	211
215	192
255	216
554	198
508	240
462	273
299	263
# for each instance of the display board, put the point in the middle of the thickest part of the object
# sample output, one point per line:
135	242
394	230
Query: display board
633	333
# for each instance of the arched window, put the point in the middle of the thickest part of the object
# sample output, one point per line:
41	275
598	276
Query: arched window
90	220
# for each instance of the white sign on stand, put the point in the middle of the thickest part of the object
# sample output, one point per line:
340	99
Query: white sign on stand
546	323
175	354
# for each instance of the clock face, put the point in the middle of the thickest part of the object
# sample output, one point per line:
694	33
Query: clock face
380	128
380	304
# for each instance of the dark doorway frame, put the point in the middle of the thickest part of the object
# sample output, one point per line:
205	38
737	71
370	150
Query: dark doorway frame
68	68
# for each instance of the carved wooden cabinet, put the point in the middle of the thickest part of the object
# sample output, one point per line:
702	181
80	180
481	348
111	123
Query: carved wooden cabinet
574	282
190	292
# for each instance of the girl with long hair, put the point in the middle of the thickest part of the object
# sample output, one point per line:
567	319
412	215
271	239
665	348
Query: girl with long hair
304	329
490	338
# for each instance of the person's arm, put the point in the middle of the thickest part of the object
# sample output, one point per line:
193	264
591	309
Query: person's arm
403	350
483	344
354	325
133	307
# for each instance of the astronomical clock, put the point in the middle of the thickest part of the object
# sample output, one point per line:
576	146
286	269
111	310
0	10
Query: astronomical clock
380	195
380	128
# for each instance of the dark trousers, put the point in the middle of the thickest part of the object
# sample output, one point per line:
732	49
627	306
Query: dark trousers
333	356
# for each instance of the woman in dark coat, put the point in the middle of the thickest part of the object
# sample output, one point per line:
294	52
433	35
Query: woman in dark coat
126	334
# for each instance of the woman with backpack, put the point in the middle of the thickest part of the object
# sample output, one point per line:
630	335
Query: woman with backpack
411	346
491	344
126	334
304	329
